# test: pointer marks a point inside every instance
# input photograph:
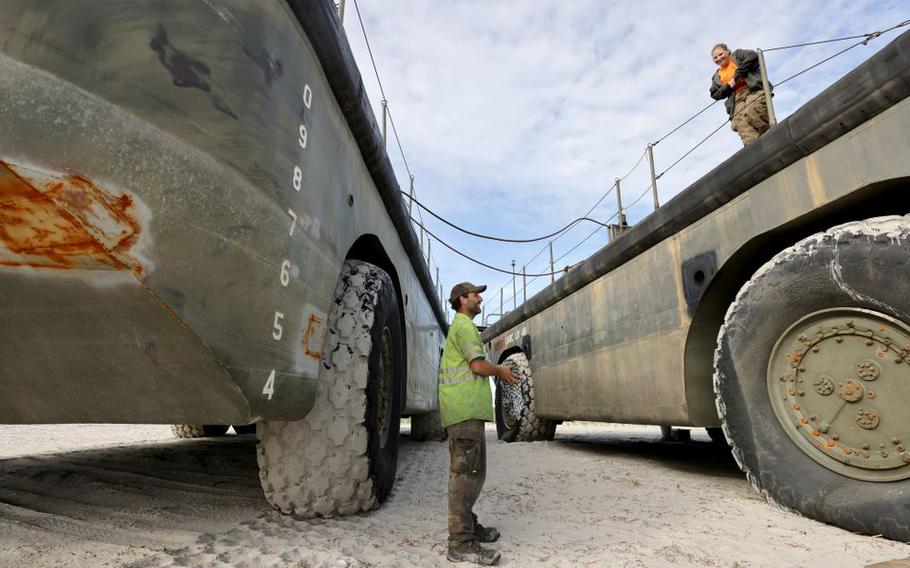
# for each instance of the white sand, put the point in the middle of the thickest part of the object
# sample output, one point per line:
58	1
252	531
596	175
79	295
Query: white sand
87	495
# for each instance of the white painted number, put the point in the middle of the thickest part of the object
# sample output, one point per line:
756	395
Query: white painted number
298	175
285	275
293	221
301	136
277	330
269	388
307	96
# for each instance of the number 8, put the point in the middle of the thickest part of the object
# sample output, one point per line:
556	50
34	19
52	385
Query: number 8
298	176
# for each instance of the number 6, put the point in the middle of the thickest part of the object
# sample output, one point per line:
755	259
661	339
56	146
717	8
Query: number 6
284	275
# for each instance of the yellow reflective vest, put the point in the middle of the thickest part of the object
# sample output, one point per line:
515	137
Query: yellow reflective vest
463	395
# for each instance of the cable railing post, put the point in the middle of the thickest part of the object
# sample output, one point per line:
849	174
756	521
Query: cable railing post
385	119
524	284
552	269
439	284
500	302
772	119
340	6
514	292
619	208
411	200
429	251
653	177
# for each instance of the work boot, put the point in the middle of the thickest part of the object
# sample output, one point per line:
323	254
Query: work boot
472	552
485	534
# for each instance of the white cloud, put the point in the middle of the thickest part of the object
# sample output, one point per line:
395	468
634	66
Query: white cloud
516	116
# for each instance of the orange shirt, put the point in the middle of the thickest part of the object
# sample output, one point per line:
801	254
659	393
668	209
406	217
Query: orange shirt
726	75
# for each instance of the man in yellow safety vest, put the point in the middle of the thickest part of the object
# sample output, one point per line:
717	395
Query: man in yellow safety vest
465	404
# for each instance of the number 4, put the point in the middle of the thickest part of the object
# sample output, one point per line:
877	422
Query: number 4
269	388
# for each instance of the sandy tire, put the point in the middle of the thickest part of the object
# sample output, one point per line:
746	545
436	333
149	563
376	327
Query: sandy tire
516	420
198	431
793	447
342	457
428	428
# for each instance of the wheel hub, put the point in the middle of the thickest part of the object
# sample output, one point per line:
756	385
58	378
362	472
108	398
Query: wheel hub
839	382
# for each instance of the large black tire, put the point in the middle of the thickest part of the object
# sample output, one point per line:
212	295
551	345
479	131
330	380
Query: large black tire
341	458
198	430
428	428
801	461
516	418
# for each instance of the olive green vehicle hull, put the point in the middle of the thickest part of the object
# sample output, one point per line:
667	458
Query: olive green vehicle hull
629	334
180	183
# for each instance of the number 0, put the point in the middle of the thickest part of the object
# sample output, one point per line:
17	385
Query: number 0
307	96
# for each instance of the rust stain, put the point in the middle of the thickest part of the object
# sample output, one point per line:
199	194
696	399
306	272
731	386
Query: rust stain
312	339
69	223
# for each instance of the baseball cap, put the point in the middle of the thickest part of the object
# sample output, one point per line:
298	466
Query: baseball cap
460	290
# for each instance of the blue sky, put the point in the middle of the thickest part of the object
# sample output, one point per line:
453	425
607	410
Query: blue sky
517	116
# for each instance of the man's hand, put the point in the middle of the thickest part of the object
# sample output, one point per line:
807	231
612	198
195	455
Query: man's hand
506	375
731	82
487	369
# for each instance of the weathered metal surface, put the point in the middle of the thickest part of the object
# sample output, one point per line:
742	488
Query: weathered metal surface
209	190
613	342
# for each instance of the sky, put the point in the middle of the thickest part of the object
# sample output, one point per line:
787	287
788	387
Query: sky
516	117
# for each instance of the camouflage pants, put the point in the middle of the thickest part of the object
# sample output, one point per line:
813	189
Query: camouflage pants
750	115
467	472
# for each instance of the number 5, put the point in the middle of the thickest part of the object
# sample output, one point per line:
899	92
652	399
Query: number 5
277	330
